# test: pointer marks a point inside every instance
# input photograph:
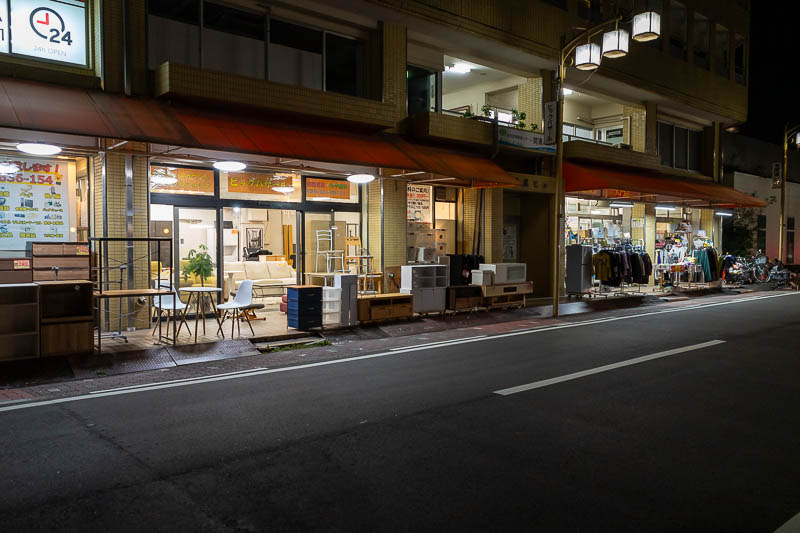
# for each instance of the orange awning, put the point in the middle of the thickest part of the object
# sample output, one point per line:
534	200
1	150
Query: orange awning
627	184
29	105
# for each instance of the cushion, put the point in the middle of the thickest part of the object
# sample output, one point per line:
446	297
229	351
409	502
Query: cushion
233	266
256	270
280	270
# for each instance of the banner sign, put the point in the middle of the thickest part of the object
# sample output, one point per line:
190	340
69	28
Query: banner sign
322	188
175	180
526	140
418	203
34	203
550	122
54	30
258	183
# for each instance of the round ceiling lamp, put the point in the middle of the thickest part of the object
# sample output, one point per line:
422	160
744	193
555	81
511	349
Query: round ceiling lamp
587	56
230	166
38	148
646	26
360	178
615	43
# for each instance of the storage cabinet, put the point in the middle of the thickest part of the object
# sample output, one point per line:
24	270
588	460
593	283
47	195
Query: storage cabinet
375	307
15	270
304	307
427	284
67	317
19	328
62	261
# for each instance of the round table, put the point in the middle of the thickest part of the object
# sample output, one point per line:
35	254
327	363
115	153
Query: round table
200	295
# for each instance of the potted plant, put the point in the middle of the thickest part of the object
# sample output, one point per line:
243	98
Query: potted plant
200	265
486	109
518	118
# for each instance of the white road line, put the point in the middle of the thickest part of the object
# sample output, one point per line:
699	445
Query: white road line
435	344
208	379
605	368
179	380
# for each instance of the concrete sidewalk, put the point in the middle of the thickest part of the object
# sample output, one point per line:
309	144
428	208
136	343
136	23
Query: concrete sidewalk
50	379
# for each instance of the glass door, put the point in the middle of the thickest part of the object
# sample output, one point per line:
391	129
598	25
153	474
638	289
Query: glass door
197	240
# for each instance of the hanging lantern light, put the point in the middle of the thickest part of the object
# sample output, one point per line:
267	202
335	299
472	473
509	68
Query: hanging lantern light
646	26
587	56
615	43
797	139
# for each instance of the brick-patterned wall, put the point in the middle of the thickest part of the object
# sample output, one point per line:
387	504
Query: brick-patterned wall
374	221
530	101
493	225
394	49
637	212
635	127
395	214
453	128
470	199
650	231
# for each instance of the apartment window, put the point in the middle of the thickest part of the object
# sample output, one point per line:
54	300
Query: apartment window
680	147
308	57
739	59
173	28
723	51
678	31
790	240
344	65
422	85
761	232
233	40
701	40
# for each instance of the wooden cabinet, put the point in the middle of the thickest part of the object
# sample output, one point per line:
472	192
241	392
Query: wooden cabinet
19	326
376	307
67	319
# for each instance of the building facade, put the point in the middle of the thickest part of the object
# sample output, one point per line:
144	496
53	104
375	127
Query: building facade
442	100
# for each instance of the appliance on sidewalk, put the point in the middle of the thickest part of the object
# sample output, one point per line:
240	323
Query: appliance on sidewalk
579	269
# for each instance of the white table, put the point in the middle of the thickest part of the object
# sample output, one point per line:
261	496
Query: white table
200	295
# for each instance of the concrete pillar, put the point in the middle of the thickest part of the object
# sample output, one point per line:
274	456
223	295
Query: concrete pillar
650	232
493	225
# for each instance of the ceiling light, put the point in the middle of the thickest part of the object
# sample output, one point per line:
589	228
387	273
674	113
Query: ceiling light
230	166
587	56
615	43
283	189
620	204
732	129
38	148
724	214
797	139
237	209
666	207
360	178
646	26
8	168
459	68
567	92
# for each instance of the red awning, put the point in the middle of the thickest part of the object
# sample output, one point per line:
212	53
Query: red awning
579	178
51	108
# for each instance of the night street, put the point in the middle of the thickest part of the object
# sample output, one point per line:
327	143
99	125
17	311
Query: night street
700	437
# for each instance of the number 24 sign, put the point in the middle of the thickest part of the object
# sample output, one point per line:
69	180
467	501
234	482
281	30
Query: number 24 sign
47	29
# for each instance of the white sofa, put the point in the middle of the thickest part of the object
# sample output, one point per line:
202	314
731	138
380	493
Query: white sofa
260	272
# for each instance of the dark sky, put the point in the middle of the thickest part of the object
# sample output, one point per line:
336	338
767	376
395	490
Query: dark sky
774	60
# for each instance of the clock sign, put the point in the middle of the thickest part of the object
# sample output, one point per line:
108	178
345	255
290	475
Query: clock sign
49	29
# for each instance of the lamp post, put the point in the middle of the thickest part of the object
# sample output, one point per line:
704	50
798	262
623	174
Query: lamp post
788	133
646	27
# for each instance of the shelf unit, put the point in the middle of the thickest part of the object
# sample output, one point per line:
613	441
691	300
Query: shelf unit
464	297
67	317
60	261
376	307
19	329
427	284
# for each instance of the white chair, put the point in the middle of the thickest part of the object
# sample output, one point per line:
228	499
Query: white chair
235	308
325	237
167	304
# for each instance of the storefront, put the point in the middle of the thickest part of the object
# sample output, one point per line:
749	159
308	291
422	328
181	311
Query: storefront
670	222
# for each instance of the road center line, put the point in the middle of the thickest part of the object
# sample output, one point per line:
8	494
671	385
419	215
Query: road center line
605	368
245	374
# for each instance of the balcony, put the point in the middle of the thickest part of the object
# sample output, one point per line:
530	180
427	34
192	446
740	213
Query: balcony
588	150
194	84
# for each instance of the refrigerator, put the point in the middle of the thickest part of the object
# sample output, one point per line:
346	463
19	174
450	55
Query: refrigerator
579	269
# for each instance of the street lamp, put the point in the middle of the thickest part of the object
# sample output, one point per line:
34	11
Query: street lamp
788	133
646	27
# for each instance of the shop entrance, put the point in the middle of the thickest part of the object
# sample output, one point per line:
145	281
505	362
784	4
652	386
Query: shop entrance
527	236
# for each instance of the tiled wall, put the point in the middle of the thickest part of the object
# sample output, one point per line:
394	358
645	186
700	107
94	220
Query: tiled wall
635	127
530	101
494	225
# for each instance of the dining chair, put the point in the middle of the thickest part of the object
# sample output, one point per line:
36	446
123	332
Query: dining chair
235	308
166	304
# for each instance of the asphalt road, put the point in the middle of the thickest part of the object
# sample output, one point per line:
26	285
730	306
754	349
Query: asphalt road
703	436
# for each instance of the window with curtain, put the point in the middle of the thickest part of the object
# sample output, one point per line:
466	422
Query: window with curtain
701	41
233	40
722	40
739	54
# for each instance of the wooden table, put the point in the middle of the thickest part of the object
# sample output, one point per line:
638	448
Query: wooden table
200	295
